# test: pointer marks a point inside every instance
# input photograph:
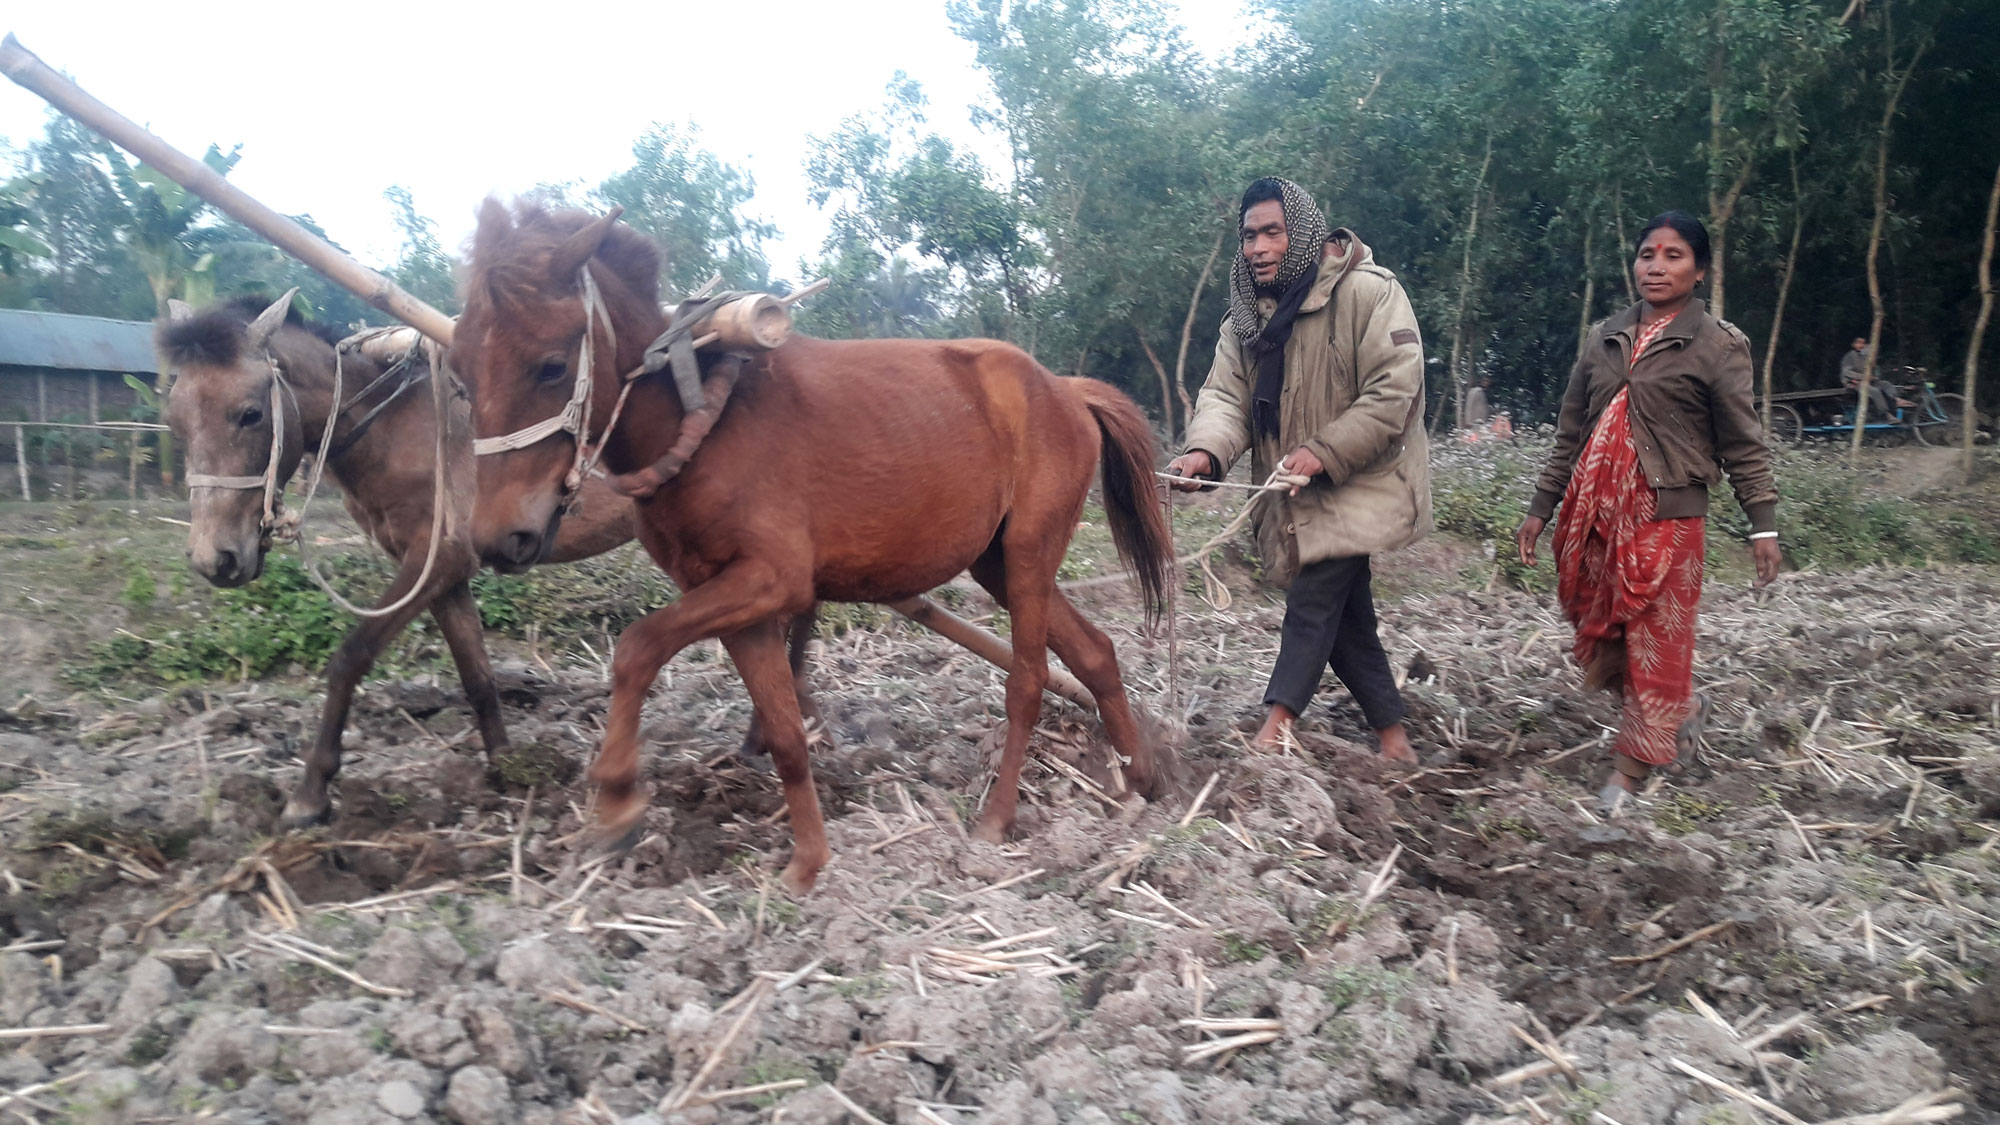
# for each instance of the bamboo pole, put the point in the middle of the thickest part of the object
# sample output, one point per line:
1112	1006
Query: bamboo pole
952	627
21	459
22	65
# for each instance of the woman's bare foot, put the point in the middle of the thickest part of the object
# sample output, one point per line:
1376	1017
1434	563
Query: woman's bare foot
1277	727
1395	743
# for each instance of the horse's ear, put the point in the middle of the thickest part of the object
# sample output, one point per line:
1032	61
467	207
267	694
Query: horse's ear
570	256
178	310
494	220
269	321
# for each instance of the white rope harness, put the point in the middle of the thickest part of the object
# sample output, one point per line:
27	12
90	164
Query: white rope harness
574	418
431	356
268	479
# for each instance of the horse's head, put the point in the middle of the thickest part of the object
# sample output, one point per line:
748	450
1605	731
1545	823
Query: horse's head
518	347
221	409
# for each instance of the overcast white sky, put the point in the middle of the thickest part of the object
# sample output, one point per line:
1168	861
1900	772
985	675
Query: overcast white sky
335	102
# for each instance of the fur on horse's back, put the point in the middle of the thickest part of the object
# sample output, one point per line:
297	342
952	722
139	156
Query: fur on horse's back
913	389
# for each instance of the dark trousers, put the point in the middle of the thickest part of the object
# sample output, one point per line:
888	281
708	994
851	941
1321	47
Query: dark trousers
1330	621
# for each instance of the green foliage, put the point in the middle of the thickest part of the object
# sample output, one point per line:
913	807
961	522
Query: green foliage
692	204
1481	492
140	589
1239	949
1348	985
584	602
252	631
149	1044
424	270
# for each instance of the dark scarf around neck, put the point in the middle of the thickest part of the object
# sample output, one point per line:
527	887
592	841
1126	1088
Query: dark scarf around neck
1269	348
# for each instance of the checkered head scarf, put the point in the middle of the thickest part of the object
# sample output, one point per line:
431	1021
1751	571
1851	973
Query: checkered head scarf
1305	226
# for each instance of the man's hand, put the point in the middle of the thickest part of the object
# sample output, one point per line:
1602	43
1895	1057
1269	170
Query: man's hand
1525	538
1194	463
1301	463
1768	559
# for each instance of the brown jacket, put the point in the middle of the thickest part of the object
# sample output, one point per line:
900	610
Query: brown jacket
1692	410
1354	396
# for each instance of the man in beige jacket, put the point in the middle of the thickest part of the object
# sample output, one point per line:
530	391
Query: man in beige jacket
1319	372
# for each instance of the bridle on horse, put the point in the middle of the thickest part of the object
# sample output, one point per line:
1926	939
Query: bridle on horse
273	522
702	399
278	524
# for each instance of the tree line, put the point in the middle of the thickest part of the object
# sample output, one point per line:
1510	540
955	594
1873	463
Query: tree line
1497	154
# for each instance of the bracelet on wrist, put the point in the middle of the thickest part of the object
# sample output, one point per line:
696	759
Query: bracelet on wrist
1756	535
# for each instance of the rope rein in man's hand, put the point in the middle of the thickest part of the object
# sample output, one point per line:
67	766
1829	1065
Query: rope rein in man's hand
1214	592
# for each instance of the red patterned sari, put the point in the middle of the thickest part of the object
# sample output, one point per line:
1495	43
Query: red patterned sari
1630	583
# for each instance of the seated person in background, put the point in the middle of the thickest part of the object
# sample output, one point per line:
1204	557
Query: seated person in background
1852	365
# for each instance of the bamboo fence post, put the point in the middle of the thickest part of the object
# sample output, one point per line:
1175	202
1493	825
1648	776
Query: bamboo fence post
21	458
22	65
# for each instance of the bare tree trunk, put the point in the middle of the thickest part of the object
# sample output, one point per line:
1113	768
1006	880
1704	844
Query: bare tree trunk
1187	326
1721	207
1719	214
1898	82
1624	244
1589	291
1464	296
1784	289
1970	406
1160	369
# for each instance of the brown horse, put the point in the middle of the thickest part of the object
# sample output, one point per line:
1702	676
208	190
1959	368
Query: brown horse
221	409
865	470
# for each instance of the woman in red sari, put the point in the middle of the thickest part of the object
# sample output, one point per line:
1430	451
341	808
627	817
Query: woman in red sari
1659	404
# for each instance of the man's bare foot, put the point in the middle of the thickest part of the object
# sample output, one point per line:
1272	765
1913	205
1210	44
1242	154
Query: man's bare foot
1277	727
1395	743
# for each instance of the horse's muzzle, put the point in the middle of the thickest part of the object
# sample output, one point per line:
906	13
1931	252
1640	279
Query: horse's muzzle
226	568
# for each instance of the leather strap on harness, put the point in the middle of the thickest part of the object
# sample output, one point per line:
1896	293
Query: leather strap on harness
695	425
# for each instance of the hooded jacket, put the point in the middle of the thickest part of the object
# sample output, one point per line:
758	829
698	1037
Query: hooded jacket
1354	396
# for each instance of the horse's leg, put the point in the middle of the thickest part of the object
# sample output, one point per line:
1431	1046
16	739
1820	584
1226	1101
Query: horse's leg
747	592
1024	581
457	616
309	803
797	638
759	652
1090	654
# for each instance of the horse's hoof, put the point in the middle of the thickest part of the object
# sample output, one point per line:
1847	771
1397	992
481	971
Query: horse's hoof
1146	785
799	878
299	816
990	831
756	757
615	841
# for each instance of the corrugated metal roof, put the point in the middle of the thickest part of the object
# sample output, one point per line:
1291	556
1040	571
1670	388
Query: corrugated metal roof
29	338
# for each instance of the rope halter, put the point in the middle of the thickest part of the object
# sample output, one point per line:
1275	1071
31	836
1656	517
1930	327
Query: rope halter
273	522
673	348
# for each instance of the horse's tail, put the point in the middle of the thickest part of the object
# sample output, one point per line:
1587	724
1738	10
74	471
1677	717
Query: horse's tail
1131	493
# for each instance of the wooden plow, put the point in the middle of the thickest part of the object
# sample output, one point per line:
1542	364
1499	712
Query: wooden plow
28	70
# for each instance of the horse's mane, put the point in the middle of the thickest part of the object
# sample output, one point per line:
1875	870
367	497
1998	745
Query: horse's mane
215	335
512	252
